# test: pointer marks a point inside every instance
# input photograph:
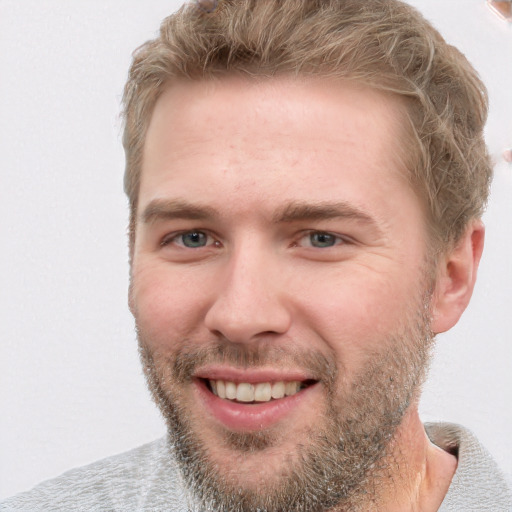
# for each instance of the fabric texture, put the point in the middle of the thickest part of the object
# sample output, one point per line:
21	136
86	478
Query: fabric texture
478	484
146	479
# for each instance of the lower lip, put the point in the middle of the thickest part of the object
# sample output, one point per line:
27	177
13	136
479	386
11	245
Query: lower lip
250	417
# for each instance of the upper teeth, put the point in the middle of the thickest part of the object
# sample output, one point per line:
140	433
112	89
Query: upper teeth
261	392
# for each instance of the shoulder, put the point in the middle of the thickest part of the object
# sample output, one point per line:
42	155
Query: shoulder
129	481
478	483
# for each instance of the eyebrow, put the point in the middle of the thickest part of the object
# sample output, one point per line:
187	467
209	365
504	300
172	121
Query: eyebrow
297	211
162	209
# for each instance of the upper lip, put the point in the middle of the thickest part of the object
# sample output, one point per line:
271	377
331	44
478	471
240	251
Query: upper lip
251	375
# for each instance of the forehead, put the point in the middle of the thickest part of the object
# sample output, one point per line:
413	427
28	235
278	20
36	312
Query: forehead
277	137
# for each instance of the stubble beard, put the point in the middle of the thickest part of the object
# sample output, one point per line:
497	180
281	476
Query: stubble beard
346	459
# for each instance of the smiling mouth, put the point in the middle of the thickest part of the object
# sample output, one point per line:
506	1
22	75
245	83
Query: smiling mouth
244	392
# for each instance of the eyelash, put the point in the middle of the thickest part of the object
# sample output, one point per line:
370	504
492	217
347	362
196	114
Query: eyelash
337	239
172	237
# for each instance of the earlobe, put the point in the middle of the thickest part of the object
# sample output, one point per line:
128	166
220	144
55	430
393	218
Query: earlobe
456	277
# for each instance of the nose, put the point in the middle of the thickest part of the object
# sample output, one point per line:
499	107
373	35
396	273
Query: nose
250	301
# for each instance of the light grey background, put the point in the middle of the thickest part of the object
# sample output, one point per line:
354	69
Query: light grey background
71	390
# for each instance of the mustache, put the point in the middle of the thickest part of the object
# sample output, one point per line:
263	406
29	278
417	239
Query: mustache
191	356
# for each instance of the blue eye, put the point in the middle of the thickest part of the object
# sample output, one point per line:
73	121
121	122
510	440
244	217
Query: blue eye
322	240
194	239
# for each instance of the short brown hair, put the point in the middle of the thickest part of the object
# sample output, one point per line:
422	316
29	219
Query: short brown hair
385	44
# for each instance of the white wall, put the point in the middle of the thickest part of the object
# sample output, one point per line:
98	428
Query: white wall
70	386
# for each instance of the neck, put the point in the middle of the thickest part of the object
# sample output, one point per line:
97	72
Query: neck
418	472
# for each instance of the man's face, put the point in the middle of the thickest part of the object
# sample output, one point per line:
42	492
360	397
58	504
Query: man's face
279	286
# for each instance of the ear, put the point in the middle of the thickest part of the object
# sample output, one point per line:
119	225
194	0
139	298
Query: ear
456	276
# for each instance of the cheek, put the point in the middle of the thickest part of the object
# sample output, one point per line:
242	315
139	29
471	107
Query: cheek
355	311
167	304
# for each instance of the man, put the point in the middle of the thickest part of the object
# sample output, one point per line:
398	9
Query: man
306	181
